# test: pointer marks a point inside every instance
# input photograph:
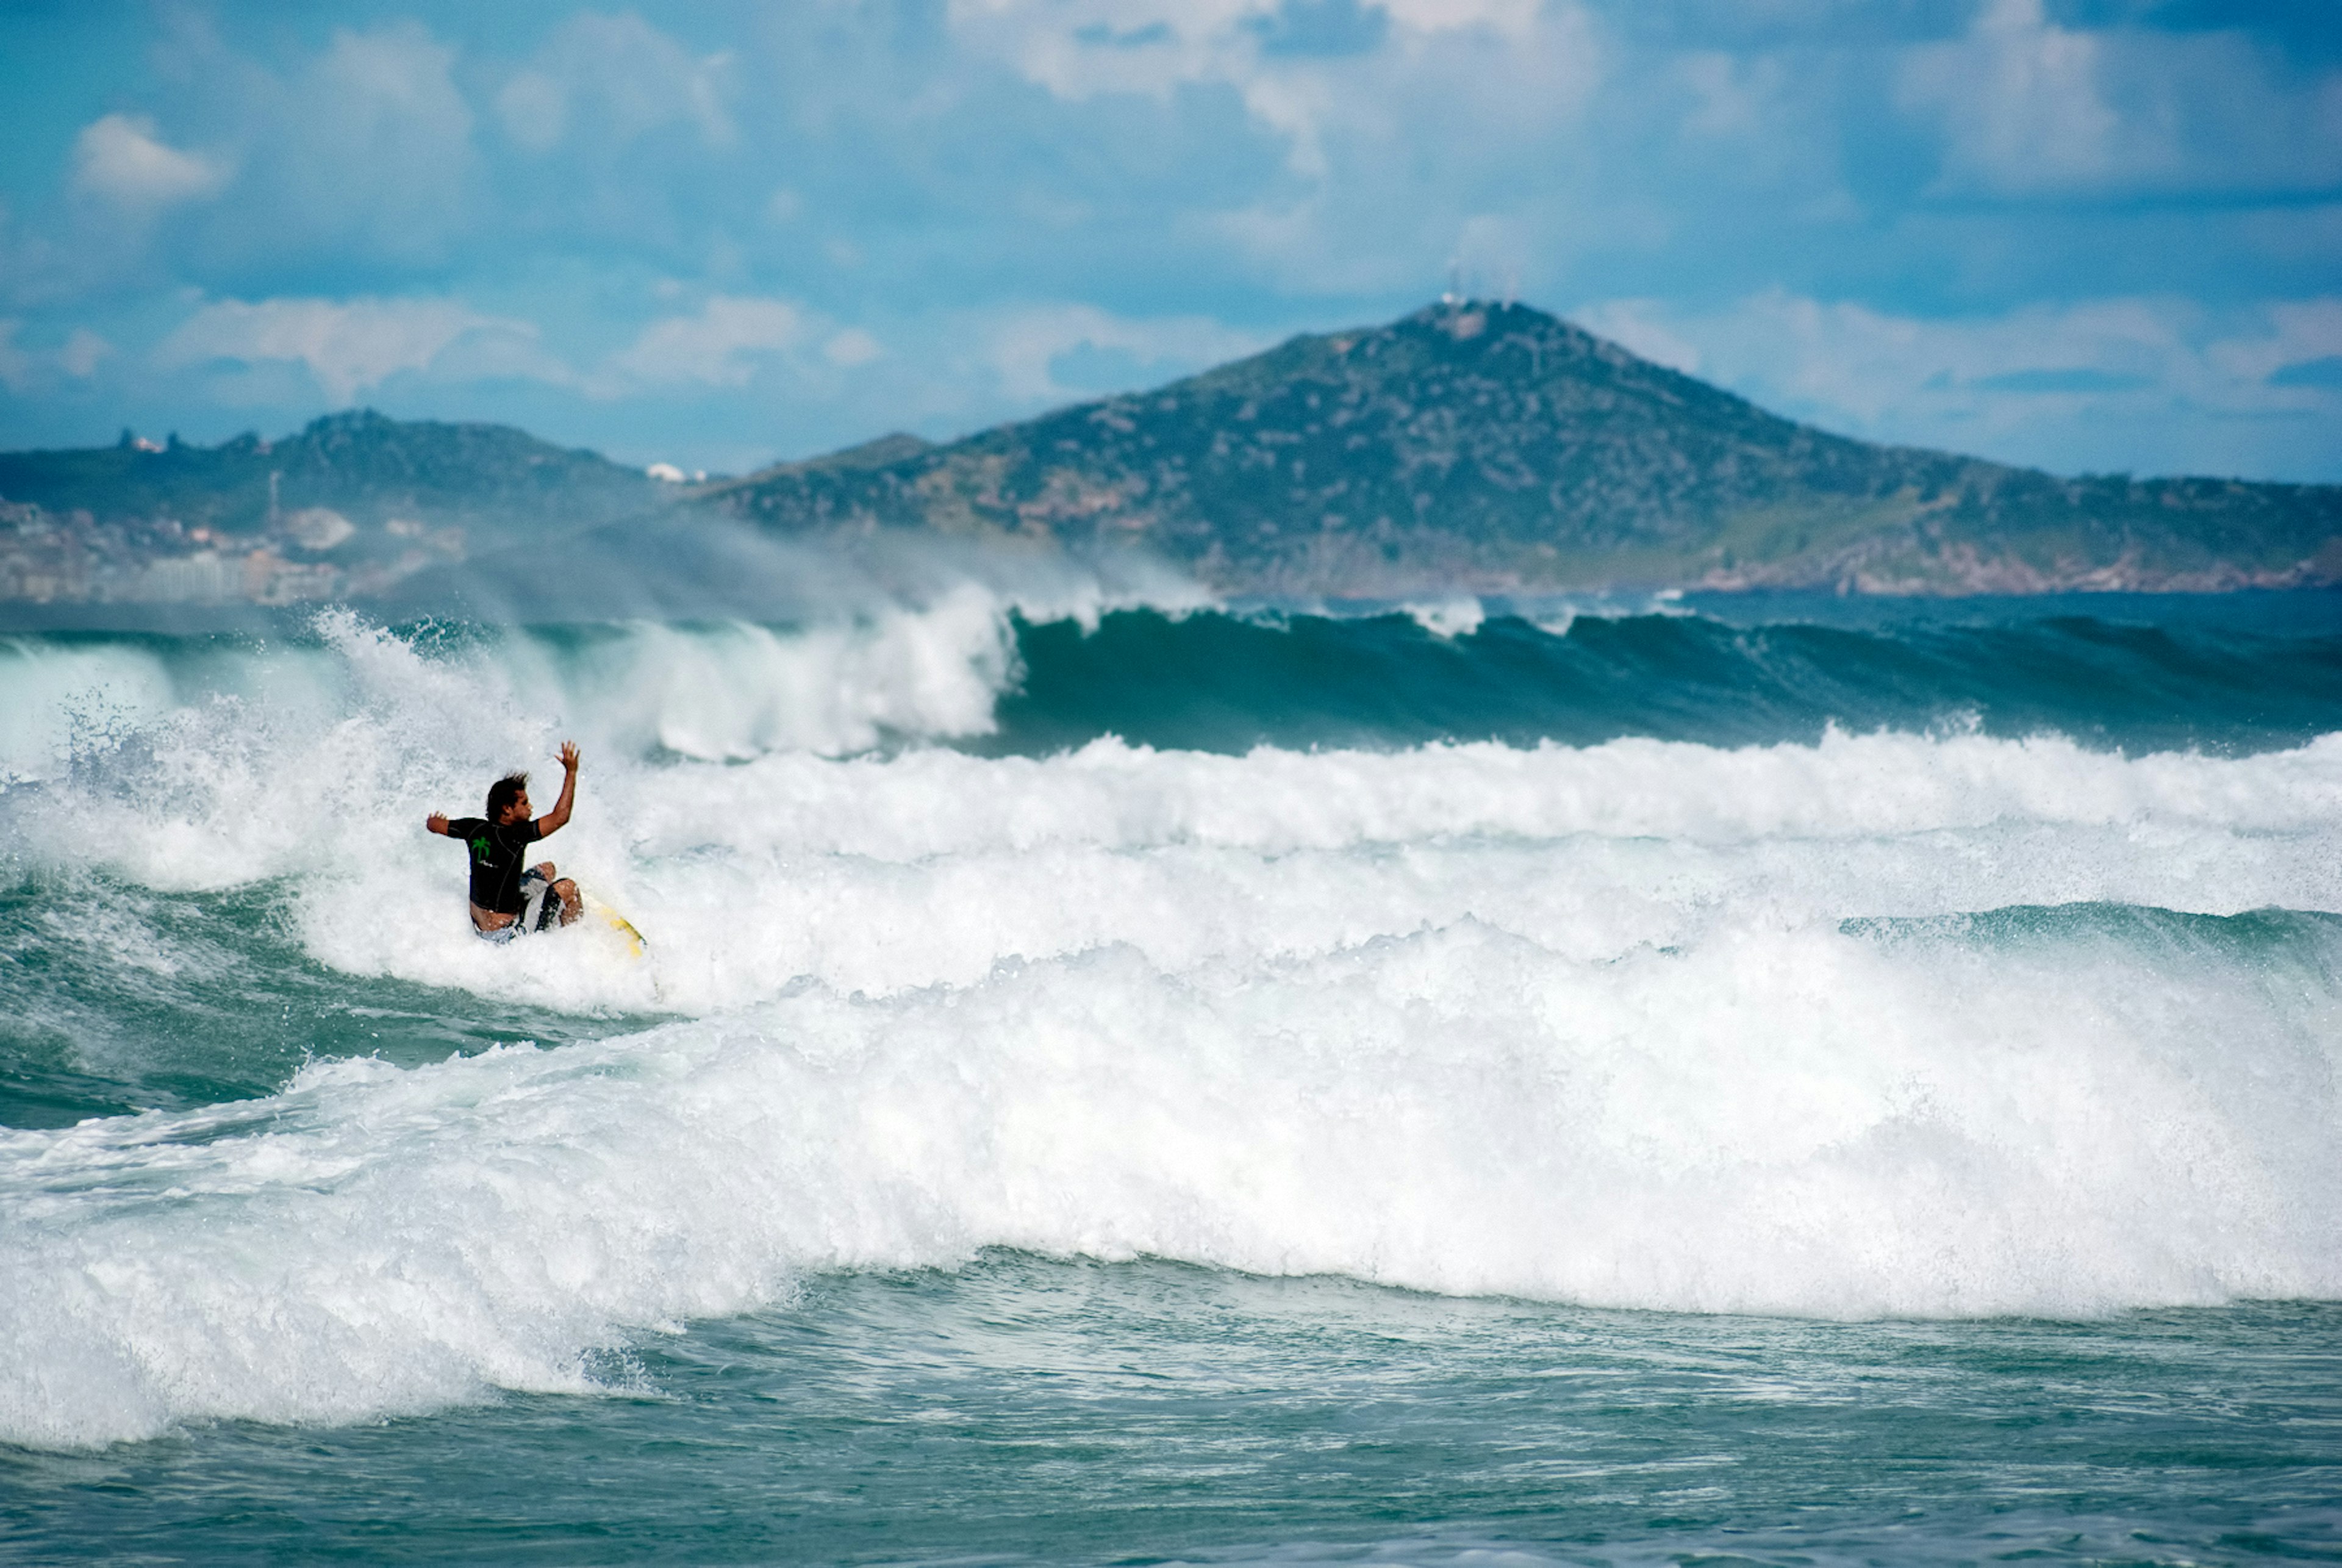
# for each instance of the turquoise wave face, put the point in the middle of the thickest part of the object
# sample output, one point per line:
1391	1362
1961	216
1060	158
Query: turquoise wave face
2259	677
116	998
2228	675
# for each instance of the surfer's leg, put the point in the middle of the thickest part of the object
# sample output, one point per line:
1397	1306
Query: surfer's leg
534	891
572	907
558	897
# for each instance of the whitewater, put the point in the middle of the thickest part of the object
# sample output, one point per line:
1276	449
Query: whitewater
1805	971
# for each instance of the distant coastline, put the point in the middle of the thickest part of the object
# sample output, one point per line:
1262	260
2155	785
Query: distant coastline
1470	447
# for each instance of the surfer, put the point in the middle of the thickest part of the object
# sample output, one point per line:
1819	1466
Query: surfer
506	901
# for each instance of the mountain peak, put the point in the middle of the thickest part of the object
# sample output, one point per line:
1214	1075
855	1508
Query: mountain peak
1466	320
348	419
1488	443
1494	324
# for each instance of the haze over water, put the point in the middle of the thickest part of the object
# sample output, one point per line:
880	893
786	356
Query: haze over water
1600	1081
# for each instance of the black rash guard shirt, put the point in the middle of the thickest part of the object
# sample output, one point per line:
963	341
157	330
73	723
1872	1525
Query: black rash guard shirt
496	860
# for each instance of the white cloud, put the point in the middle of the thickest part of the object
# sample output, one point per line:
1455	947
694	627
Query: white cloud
2030	107
1465	146
358	152
1081	49
851	347
1088	47
2297	332
1733	97
2019	98
1512	18
720	347
535	111
1023	348
2150	383
1640	326
348	346
1859	368
120	158
364	150
82	352
814	379
611	79
24	370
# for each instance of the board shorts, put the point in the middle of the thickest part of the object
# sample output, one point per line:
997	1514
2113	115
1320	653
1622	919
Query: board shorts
535	916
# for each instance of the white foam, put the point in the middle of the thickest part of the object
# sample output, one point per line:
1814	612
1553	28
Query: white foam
64	700
1448	619
1789	1121
881	872
1577	1023
739	691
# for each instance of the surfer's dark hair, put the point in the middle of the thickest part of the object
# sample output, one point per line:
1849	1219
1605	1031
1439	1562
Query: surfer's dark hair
503	793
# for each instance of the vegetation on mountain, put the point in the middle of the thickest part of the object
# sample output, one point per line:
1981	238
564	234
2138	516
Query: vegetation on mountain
353	503
361	464
1493	447
1470	446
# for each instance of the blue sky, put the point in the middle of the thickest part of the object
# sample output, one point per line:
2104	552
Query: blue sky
2090	234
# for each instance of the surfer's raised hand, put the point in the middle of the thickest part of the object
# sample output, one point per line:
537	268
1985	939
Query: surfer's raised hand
558	817
437	822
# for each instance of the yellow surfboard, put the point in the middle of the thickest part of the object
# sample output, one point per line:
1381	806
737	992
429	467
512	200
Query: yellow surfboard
619	923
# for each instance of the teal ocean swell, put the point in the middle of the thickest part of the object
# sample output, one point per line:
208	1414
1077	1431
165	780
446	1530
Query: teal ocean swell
1025	1410
1227	683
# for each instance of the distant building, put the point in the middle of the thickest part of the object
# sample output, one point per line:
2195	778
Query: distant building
318	528
270	579
205	577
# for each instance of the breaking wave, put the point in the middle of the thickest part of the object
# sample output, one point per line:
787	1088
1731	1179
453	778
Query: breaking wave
1962	1010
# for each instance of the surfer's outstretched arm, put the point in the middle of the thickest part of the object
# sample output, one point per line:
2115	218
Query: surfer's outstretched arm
557	818
437	822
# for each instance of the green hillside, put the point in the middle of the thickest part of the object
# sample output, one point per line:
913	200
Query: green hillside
353	503
1495	446
368	467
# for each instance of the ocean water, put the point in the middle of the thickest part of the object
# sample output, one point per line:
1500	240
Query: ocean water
1119	1078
